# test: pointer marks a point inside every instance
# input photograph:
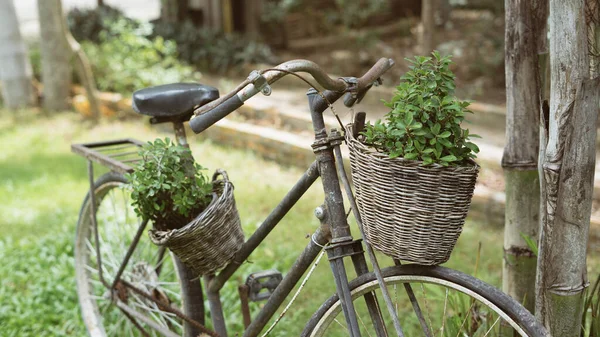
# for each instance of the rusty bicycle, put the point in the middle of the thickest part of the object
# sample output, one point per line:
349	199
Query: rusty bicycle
127	286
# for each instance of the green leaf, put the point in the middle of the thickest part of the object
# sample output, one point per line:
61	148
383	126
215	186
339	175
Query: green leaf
448	158
444	134
531	243
445	142
472	147
409	119
410	156
415	126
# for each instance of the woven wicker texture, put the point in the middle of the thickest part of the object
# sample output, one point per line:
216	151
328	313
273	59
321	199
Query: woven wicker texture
410	212
211	240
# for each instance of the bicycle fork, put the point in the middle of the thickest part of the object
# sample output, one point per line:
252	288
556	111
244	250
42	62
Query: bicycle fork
342	244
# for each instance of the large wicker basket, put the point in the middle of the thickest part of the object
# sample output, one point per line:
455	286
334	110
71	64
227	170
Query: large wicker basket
211	240
409	211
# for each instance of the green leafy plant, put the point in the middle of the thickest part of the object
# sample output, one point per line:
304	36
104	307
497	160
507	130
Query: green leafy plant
424	123
212	50
590	320
168	185
357	13
86	24
127	58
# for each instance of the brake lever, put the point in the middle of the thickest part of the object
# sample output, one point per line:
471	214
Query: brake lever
352	97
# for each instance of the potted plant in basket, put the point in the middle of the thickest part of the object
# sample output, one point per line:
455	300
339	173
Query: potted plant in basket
168	187
194	217
414	173
425	117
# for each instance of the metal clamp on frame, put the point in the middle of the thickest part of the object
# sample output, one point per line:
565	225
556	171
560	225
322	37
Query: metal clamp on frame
336	137
260	82
320	145
343	249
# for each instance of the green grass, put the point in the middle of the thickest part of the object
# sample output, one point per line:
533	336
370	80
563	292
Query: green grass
42	187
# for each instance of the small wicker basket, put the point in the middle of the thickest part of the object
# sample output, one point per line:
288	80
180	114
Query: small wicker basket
211	240
409	211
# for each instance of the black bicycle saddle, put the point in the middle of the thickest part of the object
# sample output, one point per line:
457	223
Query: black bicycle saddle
175	101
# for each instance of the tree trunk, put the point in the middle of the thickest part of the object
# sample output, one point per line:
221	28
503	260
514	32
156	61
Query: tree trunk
568	163
427	27
15	69
524	36
84	72
55	55
174	11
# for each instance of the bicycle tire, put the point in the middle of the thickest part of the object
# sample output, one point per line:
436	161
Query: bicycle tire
431	276
189	288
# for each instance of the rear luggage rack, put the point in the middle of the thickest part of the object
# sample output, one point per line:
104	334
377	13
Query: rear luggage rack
118	155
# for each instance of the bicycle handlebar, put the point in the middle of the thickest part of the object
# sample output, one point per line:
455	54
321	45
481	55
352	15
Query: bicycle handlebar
214	111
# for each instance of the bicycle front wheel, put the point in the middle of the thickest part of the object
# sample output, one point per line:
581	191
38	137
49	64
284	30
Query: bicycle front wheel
151	270
450	303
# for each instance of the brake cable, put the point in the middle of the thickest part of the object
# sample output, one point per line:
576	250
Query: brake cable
312	86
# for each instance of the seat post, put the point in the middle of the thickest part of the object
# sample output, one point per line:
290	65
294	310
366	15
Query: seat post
180	134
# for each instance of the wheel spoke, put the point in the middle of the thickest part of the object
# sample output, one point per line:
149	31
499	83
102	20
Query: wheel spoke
458	304
492	327
148	268
364	326
417	310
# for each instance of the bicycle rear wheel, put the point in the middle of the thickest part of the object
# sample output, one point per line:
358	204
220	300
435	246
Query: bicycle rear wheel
151	269
452	304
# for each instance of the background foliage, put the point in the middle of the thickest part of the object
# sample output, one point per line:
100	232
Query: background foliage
211	50
127	58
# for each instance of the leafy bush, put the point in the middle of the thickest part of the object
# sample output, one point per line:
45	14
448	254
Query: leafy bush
424	123
127	59
211	50
590	322
356	13
168	185
88	24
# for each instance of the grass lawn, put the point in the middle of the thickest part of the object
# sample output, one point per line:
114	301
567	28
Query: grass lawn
42	187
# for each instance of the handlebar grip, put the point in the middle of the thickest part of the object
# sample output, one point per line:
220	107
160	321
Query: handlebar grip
205	120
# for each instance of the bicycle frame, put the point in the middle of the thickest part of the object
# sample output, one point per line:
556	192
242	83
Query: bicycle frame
333	234
334	230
